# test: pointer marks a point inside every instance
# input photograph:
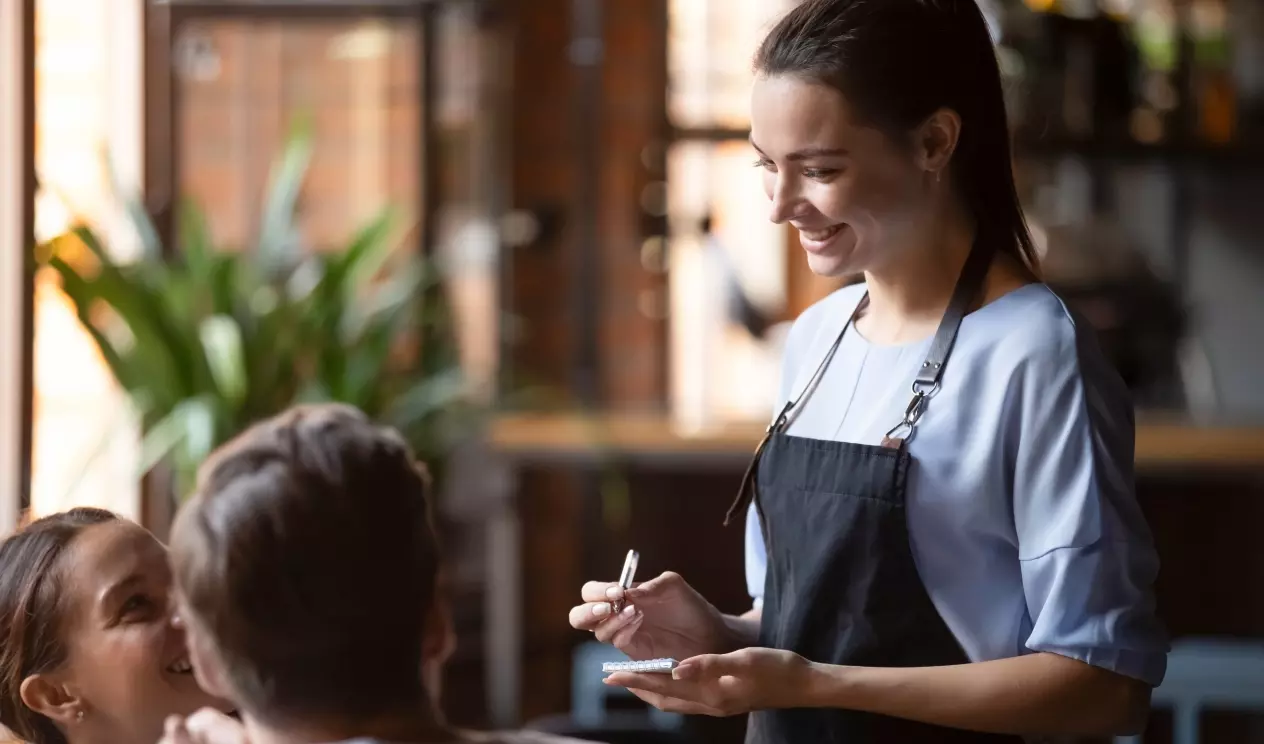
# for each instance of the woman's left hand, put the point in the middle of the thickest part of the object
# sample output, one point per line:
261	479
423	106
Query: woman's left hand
724	684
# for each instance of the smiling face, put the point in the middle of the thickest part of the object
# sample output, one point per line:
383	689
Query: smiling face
857	197
126	661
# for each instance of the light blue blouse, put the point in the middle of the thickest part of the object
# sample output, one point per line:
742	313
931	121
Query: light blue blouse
1022	514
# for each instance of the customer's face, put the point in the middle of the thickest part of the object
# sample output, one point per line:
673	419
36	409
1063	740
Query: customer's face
127	663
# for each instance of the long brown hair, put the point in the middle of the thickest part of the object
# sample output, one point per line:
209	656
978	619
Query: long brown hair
32	609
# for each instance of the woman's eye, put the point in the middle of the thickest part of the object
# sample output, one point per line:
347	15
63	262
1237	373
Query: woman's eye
819	173
134	605
764	163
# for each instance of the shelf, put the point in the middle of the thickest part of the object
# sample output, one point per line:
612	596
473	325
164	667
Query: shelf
1161	444
1029	146
1242	154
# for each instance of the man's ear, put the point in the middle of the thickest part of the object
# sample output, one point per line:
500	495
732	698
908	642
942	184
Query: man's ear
439	635
49	697
208	670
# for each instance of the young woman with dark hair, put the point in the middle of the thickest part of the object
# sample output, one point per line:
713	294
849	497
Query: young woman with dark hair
90	651
943	540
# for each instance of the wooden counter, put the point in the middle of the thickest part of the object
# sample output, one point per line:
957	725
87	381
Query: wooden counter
1196	481
1161	444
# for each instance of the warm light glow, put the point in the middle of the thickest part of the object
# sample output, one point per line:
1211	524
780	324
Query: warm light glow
1041	6
720	373
709	54
85	446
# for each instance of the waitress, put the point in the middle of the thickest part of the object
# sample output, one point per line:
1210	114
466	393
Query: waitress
943	540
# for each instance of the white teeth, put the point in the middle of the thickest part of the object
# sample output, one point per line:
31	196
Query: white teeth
819	235
181	667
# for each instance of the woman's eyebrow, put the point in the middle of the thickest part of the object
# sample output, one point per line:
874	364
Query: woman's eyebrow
808	153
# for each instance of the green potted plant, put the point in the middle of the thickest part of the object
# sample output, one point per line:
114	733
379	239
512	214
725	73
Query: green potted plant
206	341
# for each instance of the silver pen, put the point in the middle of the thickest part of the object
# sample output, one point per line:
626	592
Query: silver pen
625	579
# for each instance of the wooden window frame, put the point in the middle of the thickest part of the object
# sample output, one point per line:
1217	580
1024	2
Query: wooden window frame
17	230
164	23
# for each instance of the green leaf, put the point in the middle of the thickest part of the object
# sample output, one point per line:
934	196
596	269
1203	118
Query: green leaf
425	398
364	258
161	439
277	233
221	340
207	341
186	435
397	297
137	213
82	294
139	294
195	240
151	245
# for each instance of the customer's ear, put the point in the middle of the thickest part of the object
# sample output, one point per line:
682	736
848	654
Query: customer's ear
438	641
208	668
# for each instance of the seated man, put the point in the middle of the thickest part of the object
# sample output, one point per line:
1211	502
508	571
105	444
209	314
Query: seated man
307	572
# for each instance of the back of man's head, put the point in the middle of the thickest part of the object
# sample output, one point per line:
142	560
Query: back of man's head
306	564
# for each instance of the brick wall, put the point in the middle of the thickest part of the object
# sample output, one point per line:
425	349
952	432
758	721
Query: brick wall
233	122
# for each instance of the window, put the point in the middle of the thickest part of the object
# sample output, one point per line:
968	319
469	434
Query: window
88	104
733	280
237	78
722	370
384	133
241	83
710	47
15	51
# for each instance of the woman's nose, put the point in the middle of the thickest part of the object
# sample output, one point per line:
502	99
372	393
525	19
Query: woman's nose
784	202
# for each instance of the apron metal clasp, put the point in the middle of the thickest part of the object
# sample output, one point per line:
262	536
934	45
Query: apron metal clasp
915	408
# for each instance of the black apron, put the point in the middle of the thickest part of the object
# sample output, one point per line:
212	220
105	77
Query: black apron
841	584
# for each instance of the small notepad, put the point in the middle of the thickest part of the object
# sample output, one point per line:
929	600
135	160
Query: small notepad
662	666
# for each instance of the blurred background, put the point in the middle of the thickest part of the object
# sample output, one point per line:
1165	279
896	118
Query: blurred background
528	233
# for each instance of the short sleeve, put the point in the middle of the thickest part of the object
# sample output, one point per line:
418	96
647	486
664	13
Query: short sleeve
1087	558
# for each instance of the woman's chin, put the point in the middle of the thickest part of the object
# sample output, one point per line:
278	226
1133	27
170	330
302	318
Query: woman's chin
831	266
833	258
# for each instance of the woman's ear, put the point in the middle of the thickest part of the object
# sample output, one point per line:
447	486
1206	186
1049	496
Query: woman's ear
51	698
937	139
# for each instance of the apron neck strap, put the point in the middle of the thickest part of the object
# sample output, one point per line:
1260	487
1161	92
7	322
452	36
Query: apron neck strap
969	284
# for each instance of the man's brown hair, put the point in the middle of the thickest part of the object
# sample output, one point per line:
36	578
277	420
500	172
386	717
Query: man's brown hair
309	557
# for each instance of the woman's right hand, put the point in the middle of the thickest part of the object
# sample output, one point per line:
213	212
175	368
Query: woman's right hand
662	618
